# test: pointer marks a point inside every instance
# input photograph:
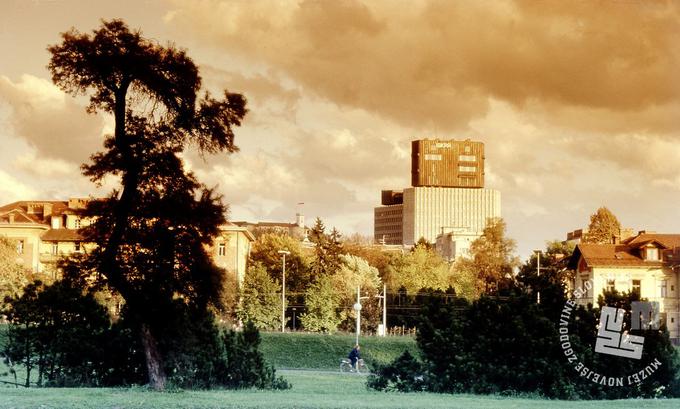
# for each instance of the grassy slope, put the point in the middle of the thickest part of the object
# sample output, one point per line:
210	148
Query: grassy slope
317	351
310	390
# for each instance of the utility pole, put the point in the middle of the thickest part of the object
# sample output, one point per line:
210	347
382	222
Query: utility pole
283	291
538	274
357	308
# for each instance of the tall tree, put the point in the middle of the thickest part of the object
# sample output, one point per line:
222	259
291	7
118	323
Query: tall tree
266	252
492	256
326	251
603	227
260	299
152	230
321	306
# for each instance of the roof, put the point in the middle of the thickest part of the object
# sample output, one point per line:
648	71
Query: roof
23	208
667	240
626	254
62	235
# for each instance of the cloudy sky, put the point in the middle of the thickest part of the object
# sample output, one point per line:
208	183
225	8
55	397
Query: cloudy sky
578	103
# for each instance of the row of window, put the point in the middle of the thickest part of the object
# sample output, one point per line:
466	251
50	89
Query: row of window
636	286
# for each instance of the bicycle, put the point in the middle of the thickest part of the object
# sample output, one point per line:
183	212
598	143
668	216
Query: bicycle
346	366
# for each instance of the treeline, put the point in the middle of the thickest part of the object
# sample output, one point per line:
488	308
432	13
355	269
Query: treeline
511	344
322	279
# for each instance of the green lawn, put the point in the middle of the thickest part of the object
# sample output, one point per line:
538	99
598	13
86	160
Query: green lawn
310	390
318	386
317	351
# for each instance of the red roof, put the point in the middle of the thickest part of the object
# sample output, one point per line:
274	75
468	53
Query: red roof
627	254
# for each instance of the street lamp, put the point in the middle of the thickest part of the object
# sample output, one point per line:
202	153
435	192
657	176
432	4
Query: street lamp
283	291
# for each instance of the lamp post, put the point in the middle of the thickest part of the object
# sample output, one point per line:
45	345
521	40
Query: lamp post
538	273
357	308
283	291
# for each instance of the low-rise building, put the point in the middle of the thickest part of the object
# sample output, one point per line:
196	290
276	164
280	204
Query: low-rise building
647	263
47	230
44	230
231	249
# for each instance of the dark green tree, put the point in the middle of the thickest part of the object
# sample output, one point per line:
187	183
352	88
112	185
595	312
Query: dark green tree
151	232
327	249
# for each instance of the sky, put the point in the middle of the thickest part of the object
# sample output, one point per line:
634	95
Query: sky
578	103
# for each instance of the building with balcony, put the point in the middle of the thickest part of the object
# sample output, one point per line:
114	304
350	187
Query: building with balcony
647	263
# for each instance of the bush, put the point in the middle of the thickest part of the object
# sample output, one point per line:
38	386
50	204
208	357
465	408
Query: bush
68	338
405	374
510	345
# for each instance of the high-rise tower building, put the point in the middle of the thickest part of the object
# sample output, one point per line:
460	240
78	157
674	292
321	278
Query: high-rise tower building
447	199
449	163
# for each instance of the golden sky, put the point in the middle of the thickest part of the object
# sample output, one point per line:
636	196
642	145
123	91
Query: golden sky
578	103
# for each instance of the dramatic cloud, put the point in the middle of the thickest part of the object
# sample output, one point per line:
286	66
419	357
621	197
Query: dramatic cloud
440	61
577	102
49	120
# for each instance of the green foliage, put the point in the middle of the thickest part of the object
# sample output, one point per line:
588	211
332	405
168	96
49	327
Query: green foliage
321	304
492	257
265	251
245	365
405	374
355	272
260	299
13	275
420	268
603	227
65	336
512	345
327	249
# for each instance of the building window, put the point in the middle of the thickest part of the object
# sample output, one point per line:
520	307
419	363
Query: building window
467	149
587	293
77	223
462	168
652	254
221	249
77	246
432	156
20	247
467	158
663	288
55	248
636	286
611	285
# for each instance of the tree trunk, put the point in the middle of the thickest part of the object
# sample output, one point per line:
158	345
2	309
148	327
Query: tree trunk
154	362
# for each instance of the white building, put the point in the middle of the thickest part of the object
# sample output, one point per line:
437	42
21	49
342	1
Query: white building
428	210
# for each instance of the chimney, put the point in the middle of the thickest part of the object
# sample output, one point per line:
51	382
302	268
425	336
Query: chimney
47	210
11	217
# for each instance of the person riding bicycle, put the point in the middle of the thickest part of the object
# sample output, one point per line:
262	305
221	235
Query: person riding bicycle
354	356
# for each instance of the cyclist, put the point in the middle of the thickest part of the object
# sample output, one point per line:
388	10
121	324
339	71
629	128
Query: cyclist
354	356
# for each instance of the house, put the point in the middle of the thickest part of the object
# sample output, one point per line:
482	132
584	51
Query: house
647	263
44	230
231	248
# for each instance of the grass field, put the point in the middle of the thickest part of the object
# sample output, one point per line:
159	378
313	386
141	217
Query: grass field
318	386
310	390
317	351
